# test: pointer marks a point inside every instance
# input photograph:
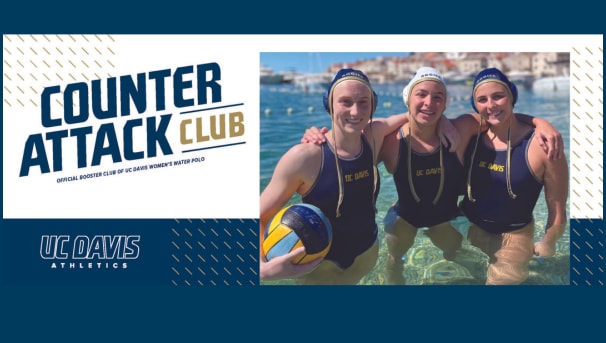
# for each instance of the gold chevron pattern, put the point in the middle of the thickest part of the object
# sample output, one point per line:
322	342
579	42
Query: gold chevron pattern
49	60
586	132
213	252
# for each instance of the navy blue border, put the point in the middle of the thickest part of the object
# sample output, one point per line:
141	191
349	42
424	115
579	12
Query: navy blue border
310	17
135	313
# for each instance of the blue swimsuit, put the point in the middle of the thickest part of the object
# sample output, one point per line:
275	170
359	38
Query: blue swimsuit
494	210
355	231
426	180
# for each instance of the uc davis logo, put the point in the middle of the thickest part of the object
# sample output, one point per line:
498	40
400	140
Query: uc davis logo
84	252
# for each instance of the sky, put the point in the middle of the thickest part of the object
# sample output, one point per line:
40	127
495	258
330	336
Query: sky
312	62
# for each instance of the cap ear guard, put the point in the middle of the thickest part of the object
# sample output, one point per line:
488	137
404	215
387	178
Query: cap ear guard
472	100
326	101
405	93
514	92
375	99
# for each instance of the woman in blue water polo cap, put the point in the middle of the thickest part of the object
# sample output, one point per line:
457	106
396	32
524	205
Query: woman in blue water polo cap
507	169
339	177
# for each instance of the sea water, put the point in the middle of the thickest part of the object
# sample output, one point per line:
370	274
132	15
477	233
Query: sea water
286	112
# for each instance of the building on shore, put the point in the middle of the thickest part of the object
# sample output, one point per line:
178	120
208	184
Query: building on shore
461	67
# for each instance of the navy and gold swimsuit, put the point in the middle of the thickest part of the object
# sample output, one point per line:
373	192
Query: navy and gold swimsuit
426	179
355	231
494	210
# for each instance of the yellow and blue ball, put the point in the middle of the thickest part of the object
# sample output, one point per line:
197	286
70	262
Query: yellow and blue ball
295	226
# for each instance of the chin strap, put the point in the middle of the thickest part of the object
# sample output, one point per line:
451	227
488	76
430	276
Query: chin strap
339	174
507	167
473	155
410	182
375	172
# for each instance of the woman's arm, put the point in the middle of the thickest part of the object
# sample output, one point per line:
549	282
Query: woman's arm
547	136
290	176
555	180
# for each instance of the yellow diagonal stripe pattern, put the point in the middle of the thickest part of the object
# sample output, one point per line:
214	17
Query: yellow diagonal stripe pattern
49	60
215	252
586	132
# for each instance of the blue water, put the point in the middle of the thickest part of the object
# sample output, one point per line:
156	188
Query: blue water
286	112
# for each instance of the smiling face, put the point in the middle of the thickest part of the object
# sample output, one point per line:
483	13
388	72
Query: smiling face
494	102
427	102
352	106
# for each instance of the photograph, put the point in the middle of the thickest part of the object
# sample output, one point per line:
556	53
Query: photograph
371	172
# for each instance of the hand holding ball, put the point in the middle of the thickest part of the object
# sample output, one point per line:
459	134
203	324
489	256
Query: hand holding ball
296	226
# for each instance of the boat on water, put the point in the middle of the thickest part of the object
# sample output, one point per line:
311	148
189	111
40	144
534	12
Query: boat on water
457	77
269	77
551	83
521	78
310	83
288	77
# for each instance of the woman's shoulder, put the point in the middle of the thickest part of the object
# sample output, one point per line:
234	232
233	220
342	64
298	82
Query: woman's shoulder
526	130
466	122
301	158
305	150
